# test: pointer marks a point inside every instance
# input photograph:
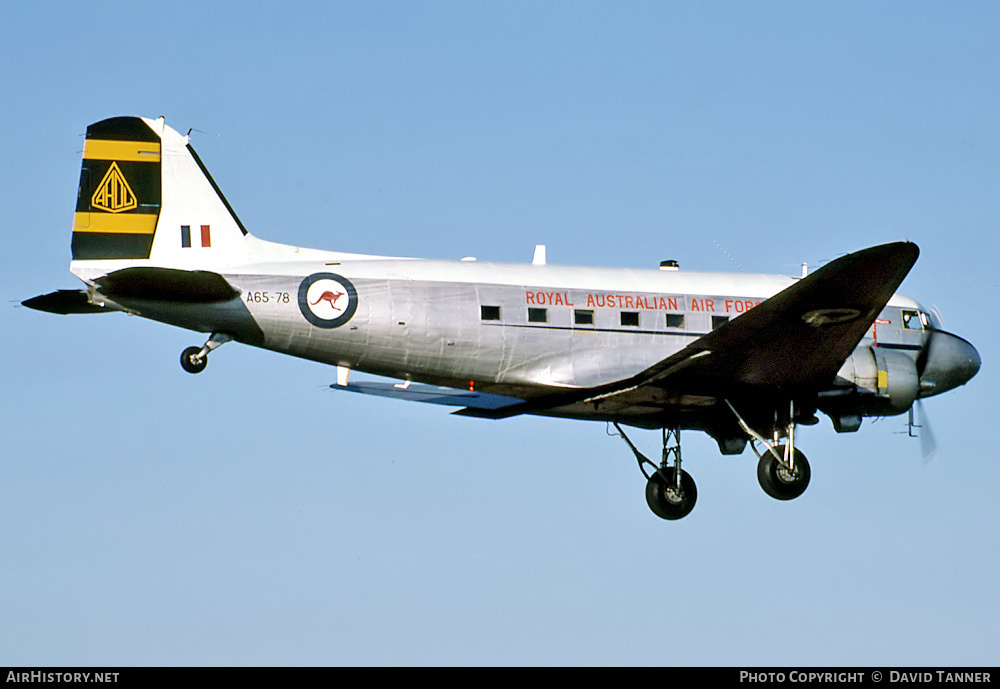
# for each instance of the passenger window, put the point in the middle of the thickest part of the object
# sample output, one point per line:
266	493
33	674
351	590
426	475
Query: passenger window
581	317
538	315
718	321
675	320
490	313
630	318
912	320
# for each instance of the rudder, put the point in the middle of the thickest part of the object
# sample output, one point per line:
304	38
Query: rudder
119	197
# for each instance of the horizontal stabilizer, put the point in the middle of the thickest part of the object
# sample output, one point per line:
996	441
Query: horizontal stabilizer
167	284
66	301
433	394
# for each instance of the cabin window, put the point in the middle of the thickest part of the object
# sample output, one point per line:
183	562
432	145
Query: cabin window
912	320
490	313
718	321
675	320
538	315
583	317
630	318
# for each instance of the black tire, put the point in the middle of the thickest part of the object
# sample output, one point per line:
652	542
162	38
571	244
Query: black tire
190	362
776	479
664	499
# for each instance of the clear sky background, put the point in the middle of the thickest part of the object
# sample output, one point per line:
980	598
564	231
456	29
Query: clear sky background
250	515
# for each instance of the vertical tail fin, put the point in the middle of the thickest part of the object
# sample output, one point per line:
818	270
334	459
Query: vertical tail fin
146	198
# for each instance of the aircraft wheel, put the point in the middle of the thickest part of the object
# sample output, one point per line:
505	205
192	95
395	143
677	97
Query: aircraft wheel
777	480
663	497
190	361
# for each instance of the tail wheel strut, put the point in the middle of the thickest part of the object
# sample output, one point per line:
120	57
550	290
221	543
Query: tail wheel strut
195	359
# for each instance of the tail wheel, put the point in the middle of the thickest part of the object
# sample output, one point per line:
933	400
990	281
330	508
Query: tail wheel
191	362
778	480
665	499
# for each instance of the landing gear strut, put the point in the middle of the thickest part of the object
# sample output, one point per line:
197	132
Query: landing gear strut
195	359
670	491
782	470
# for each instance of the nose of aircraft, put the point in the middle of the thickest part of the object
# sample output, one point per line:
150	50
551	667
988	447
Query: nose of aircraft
949	362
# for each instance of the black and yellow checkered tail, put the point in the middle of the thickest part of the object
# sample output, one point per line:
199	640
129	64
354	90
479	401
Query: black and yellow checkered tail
120	194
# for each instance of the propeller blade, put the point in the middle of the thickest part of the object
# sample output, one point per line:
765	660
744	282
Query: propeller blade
928	446
938	315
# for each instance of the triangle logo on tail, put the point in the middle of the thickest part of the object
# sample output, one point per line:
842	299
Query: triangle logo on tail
114	194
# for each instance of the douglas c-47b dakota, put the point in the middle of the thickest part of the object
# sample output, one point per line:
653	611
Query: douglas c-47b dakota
741	357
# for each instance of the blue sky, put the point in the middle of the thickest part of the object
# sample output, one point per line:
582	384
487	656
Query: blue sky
249	515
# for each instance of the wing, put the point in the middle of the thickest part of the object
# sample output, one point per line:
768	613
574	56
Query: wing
793	343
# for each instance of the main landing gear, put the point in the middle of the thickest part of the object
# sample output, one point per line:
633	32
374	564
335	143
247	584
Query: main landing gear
670	491
195	359
781	479
782	470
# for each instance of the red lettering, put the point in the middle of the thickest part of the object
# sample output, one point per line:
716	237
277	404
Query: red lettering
529	297
671	304
590	300
709	305
694	304
559	301
729	305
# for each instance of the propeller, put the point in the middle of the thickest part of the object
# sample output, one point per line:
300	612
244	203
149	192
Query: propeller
937	314
928	446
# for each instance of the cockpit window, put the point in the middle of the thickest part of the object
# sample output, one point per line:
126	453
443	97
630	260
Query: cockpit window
912	320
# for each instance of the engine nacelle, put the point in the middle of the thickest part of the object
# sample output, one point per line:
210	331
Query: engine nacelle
885	382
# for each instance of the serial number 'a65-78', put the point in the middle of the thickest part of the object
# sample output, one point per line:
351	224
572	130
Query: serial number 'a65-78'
267	297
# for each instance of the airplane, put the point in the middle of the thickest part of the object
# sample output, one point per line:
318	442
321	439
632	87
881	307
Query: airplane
744	358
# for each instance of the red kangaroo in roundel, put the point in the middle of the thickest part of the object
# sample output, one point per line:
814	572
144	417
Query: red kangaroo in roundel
331	297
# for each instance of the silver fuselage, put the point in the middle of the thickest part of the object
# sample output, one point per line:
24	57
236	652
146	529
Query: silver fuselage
521	330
